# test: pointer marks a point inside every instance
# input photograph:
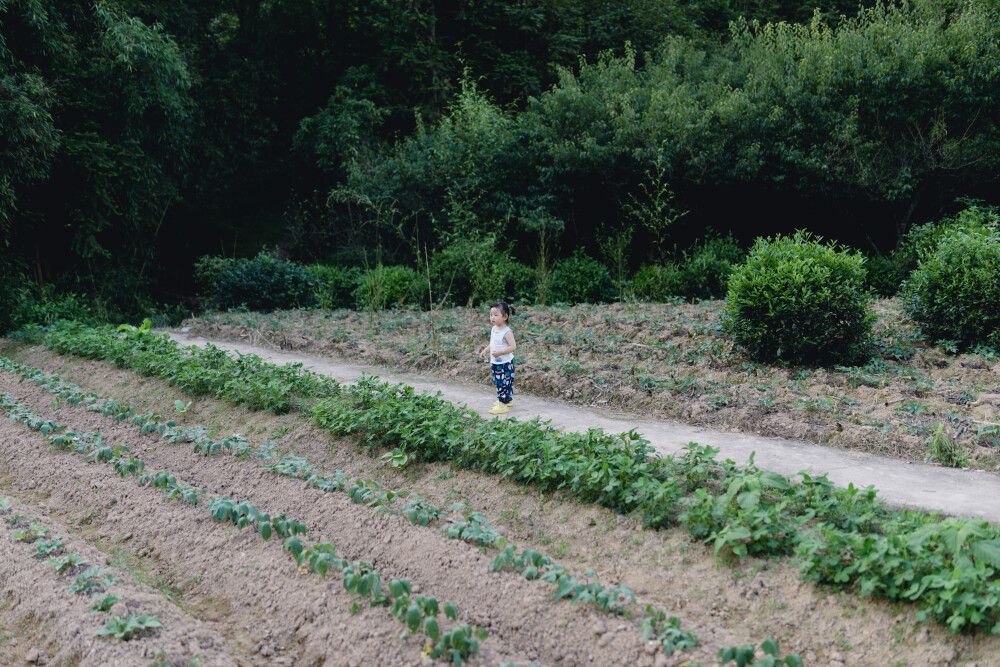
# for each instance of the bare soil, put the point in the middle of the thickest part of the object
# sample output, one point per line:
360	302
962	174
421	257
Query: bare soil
671	361
45	624
250	593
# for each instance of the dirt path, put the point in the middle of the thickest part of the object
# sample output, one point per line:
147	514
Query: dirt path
956	492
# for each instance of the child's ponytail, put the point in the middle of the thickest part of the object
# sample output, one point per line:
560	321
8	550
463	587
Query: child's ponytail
505	308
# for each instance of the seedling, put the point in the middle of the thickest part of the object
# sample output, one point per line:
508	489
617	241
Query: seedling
30	534
421	513
45	548
67	562
182	407
396	457
124	628
667	631
103	603
473	529
746	656
92	581
369	492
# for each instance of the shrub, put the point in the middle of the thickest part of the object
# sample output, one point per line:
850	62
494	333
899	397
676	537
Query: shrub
884	276
581	279
658	283
260	283
921	241
385	286
473	270
521	283
800	301
707	266
337	285
954	294
45	305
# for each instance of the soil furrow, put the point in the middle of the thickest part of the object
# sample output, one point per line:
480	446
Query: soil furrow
275	613
65	624
726	604
519	614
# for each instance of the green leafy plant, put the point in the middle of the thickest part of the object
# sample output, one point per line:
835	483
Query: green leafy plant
954	293
473	528
799	301
944	450
397	458
46	548
67	562
667	631
92	581
421	513
104	602
125	628
33	532
746	656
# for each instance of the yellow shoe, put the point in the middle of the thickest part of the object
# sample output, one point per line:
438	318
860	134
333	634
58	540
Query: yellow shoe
499	409
497	403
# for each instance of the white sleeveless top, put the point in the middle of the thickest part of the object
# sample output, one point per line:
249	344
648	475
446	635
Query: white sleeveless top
498	343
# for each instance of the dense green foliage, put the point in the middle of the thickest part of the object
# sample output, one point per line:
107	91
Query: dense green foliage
98	113
245	380
658	282
887	108
261	283
954	293
137	135
922	240
800	301
581	279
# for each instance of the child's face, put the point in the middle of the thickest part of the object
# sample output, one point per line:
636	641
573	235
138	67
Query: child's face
496	318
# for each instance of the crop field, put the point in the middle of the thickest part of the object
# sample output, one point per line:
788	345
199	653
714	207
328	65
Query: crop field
170	506
669	362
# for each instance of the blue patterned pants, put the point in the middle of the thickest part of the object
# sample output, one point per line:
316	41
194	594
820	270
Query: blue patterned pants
503	379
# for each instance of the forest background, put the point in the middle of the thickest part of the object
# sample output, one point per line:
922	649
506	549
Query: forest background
472	135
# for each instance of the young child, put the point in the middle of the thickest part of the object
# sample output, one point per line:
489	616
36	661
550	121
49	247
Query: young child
501	355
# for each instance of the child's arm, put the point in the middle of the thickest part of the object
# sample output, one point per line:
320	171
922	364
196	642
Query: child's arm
482	353
511	345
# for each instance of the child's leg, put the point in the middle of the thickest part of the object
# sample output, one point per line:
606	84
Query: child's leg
498	380
505	386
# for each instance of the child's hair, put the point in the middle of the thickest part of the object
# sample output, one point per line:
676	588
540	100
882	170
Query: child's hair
505	308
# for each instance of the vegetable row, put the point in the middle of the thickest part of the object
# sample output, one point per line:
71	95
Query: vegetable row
469	526
845	538
419	613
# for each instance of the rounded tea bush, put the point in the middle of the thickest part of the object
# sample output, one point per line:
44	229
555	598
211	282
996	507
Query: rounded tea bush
954	293
260	283
800	301
580	278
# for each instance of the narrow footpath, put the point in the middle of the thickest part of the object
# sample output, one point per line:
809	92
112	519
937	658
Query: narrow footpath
901	483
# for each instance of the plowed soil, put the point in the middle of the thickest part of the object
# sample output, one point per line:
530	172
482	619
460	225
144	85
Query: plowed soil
235	599
672	361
